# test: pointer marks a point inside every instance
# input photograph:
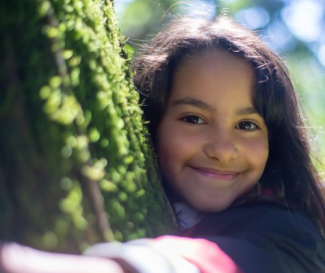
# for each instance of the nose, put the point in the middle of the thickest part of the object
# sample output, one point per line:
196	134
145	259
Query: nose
220	145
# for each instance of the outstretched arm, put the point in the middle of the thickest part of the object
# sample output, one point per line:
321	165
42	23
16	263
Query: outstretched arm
166	254
16	258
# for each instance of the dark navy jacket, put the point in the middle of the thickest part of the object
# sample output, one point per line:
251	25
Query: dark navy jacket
265	238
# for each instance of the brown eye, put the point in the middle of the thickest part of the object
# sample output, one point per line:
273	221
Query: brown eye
246	126
193	119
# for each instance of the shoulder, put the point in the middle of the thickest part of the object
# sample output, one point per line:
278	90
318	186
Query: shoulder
261	217
255	235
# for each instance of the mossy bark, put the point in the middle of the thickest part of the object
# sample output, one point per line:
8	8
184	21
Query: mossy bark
75	164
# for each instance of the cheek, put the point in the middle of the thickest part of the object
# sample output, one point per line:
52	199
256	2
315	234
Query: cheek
256	153
175	148
171	147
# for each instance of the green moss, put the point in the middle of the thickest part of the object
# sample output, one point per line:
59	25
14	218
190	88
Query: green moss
71	125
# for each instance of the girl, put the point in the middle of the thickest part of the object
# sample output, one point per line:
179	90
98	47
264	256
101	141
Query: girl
234	157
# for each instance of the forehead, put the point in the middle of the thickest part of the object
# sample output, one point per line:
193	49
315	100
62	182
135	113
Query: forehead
214	73
215	59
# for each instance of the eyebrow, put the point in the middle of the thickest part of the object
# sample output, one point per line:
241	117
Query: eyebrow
209	107
194	102
246	111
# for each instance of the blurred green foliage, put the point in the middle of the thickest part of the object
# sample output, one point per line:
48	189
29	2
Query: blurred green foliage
274	21
75	163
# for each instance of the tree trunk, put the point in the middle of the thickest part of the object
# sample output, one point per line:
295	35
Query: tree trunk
75	164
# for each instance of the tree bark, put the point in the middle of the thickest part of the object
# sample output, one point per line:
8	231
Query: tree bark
75	164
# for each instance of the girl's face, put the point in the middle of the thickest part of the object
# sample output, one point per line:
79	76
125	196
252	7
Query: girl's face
212	144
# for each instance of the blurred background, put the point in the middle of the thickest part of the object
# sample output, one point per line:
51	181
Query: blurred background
294	29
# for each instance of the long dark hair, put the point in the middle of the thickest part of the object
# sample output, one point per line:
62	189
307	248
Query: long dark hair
289	169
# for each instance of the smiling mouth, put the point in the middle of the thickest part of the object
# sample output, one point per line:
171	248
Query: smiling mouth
216	174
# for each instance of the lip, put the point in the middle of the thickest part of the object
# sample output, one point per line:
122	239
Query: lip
216	173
